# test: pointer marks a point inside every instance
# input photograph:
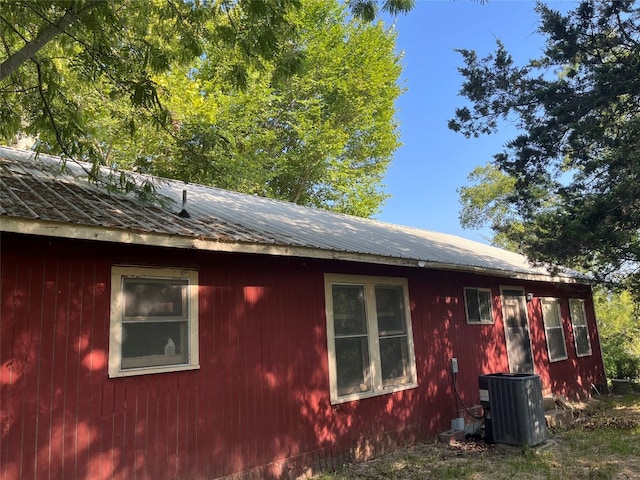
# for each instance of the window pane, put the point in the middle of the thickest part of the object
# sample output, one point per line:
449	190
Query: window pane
515	314
550	314
582	340
484	303
473	306
352	365
390	310
555	340
577	314
394	356
154	298
145	339
349	310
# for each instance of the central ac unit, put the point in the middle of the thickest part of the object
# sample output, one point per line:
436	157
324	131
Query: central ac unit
515	411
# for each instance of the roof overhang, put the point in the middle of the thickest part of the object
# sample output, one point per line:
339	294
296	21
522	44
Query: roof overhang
28	226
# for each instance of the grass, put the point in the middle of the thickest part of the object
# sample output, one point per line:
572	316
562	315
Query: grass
603	443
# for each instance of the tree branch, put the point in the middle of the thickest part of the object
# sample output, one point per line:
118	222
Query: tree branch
30	49
54	125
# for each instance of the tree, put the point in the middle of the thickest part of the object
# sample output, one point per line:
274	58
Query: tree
122	45
618	332
321	137
487	202
575	168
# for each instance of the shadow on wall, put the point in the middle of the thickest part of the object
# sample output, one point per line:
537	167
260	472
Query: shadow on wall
260	395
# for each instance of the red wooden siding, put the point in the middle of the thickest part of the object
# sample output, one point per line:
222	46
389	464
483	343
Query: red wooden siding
259	403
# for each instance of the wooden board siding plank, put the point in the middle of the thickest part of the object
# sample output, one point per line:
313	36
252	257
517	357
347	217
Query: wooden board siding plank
79	343
243	315
164	450
199	420
266	432
253	316
270	382
206	443
141	437
235	410
221	398
58	440
70	356
172	426
152	442
135	431
45	385
193	426
32	269
129	418
182	426
241	382
125	428
291	362
102	389
102	458
279	347
10	428
90	361
303	416
217	393
319	395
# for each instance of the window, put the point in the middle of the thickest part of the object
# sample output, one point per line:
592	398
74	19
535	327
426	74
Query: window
477	302
580	329
369	336
553	329
154	321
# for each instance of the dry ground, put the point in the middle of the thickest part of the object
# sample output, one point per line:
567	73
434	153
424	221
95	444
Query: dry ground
603	443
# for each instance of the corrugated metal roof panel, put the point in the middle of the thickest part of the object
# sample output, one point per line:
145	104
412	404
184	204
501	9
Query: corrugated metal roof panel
36	188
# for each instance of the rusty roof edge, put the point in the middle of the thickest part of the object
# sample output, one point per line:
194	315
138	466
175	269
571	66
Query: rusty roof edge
118	235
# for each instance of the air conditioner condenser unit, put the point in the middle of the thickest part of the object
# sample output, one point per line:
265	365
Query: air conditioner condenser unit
515	411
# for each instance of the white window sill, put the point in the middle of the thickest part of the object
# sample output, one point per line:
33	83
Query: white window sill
360	396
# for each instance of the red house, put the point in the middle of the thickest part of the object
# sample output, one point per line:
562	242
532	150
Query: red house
235	336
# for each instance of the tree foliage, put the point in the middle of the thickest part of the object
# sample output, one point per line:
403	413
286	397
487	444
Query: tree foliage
619	332
487	202
575	168
320	136
58	51
74	72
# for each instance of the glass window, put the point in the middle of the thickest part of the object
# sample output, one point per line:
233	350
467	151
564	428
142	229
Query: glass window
580	328
351	345
154	320
392	335
369	335
554	332
478	306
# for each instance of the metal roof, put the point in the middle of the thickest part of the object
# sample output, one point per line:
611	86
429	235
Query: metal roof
39	196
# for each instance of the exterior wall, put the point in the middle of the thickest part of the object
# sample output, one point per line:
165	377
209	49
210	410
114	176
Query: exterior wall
259	406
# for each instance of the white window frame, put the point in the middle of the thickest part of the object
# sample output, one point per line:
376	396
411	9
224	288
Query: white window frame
553	302
118	274
369	283
466	306
575	303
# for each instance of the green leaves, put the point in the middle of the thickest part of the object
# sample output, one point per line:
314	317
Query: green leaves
244	94
300	126
367	10
575	165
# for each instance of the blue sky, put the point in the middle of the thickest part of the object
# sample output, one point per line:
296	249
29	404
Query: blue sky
434	162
